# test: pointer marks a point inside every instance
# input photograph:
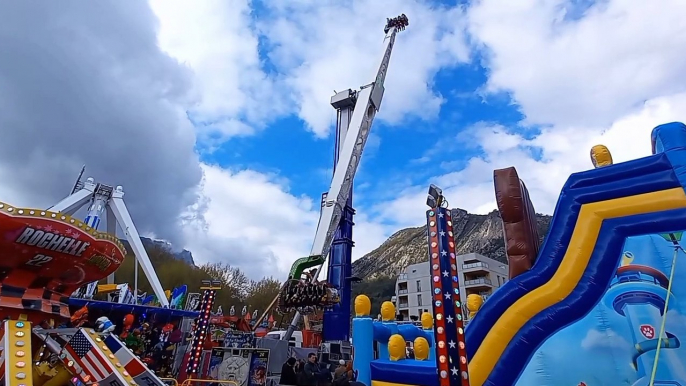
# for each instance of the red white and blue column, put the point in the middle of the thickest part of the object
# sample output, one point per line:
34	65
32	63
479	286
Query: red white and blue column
451	357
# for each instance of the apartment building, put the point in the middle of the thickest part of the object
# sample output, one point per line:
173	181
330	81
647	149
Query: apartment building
479	275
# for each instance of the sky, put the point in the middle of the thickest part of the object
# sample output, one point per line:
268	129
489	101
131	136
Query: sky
214	115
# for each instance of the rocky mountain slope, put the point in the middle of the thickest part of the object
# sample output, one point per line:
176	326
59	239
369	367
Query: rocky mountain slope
482	234
148	243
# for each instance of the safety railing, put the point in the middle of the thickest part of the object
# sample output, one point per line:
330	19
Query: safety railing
170	381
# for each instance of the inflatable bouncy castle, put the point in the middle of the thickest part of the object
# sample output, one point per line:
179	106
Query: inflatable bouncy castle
603	302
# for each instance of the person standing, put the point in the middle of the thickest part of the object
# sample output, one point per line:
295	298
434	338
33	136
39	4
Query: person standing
288	376
310	372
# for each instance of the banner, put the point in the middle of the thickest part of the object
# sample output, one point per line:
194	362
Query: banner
258	367
193	302
236	339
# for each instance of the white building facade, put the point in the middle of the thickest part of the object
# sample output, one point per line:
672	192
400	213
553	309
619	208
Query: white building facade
478	275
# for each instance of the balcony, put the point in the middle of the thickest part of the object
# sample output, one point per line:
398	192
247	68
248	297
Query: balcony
403	305
478	283
474	267
402	291
402	277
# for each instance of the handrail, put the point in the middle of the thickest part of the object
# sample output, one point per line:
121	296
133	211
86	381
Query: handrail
188	381
173	381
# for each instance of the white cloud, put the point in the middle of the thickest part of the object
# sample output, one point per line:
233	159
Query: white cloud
588	71
216	40
252	221
325	45
314	53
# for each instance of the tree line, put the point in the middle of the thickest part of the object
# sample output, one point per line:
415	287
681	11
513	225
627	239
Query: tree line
237	289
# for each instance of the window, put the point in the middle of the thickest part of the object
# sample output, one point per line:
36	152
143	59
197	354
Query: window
419	286
419	299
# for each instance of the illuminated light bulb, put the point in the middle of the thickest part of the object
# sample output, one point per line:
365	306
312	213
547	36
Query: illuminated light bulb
436	279
441	344
442	358
70	363
439	330
444	374
19	324
431	213
434	255
461	344
20	365
463	360
20	376
451	244
465	375
86	378
118	364
439	316
433	244
19	333
126	373
432	223
98	340
111	356
19	343
104	348
450	223
20	353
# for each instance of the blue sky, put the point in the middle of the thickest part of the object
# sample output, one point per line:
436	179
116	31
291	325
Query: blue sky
471	87
287	149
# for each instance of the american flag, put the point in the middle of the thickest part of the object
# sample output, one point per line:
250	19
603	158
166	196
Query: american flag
136	369
89	358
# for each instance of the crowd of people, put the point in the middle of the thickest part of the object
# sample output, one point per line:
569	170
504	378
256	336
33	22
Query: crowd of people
313	373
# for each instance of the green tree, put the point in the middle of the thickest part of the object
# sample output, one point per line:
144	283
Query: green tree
261	293
379	290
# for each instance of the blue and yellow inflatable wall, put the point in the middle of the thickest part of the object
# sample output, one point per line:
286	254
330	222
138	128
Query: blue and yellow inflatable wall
605	302
391	368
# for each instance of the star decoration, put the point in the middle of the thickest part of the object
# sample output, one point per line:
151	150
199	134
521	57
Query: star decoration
454	370
440	215
441	233
451	344
447	295
446	273
444	253
449	319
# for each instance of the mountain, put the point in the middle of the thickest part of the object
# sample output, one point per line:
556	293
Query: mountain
478	233
148	243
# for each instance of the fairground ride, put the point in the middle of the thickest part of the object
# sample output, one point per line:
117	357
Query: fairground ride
302	292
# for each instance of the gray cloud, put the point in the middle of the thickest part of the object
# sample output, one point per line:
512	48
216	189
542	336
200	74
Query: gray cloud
85	82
